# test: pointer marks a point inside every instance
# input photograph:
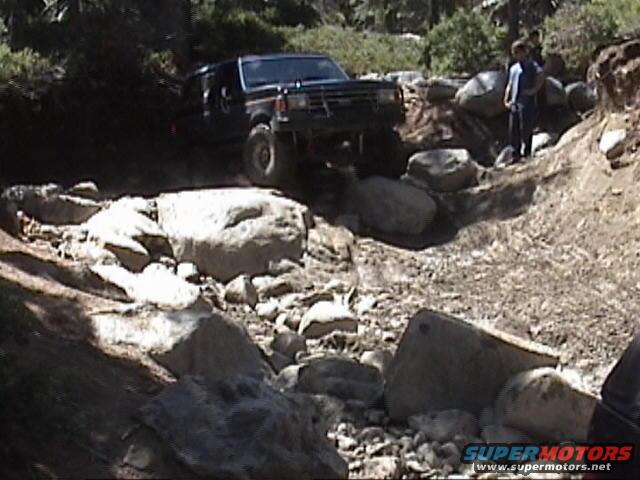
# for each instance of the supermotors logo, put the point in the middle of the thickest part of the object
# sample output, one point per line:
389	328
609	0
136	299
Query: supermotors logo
499	453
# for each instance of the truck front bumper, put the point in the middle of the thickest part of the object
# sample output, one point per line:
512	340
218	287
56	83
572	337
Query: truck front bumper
334	122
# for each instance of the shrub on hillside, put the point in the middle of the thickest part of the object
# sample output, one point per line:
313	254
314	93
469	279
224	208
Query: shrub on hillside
625	14
20	67
357	52
576	31
465	42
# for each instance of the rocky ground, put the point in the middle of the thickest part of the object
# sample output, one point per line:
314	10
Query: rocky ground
216	303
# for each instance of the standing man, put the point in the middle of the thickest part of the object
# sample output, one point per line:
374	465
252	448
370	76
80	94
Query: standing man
525	80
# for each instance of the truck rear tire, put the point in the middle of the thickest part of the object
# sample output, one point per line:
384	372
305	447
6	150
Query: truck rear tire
268	160
385	155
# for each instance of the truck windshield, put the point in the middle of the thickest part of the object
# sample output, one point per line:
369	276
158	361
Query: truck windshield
276	71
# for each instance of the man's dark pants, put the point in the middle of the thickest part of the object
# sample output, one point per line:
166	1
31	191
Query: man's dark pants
522	121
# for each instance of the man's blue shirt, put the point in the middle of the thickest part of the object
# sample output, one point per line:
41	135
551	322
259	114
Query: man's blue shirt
522	76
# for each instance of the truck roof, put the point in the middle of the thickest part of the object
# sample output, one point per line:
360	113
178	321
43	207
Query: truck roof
271	56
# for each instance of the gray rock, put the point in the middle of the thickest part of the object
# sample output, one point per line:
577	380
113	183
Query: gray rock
156	285
9	217
544	405
341	378
556	95
502	434
425	373
505	158
269	287
612	143
324	318
379	359
130	253
48	204
229	232
381	468
581	96
446	170
188	342
241	290
391	206
441	89
289	344
87	189
445	425
279	361
241	429
484	94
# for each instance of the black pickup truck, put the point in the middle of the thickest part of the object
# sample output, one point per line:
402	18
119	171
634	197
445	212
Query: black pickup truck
287	110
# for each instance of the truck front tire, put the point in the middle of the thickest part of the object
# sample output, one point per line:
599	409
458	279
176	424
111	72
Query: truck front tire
268	159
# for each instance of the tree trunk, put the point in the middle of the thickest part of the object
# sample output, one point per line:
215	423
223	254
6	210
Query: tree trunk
514	20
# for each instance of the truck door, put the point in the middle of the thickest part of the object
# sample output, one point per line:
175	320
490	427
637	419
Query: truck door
230	97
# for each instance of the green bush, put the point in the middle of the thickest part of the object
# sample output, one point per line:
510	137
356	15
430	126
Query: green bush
576	31
357	52
219	36
625	13
20	67
465	42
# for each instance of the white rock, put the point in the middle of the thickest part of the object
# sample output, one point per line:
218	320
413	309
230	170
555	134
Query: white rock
379	359
185	342
542	141
188	271
156	286
268	311
612	143
324	318
234	231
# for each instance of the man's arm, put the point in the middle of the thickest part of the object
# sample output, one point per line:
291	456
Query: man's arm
507	96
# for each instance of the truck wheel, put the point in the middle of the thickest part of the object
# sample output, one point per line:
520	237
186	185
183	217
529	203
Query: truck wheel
268	160
385	156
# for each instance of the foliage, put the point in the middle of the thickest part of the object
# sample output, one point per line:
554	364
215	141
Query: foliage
358	52
625	14
576	31
465	42
21	66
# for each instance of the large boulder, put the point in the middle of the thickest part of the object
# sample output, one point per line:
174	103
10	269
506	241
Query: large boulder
391	206
544	405
556	95
444	170
581	97
156	285
227	232
341	378
445	363
242	429
484	94
187	342
616	72
49	204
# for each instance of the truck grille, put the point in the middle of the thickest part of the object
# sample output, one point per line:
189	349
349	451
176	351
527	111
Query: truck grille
336	101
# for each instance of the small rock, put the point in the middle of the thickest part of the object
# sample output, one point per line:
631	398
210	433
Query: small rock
279	361
241	291
341	378
268	311
327	317
612	143
268	287
450	454
188	271
287	378
365	305
445	425
505	158
379	359
542	141
289	344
